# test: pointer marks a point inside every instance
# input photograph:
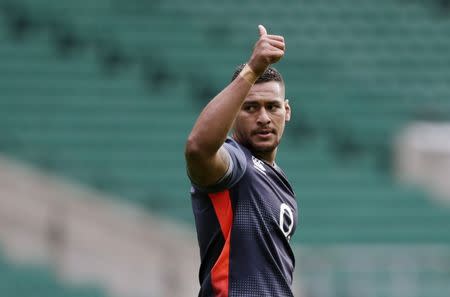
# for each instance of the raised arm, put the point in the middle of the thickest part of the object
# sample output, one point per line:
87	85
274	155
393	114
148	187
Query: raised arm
207	161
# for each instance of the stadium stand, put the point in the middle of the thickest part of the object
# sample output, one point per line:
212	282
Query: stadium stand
105	92
27	280
355	82
419	271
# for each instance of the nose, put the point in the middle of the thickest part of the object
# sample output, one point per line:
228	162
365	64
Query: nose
263	118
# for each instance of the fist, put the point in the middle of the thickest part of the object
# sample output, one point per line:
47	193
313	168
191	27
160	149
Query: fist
269	49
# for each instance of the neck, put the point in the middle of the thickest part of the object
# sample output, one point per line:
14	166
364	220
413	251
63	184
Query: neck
269	157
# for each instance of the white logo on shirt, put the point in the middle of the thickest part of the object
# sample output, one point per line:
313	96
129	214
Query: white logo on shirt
259	165
287	216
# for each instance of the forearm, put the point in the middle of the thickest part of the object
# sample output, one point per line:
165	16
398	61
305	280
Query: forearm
216	119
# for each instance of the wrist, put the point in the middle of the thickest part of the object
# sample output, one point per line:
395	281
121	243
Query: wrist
248	74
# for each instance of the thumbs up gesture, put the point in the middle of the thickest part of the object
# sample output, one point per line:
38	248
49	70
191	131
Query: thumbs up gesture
269	49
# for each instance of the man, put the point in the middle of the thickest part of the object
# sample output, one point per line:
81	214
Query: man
245	210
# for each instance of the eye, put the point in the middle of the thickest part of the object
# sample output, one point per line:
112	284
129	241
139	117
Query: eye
273	107
250	108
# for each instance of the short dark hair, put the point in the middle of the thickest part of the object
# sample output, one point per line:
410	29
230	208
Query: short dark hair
271	74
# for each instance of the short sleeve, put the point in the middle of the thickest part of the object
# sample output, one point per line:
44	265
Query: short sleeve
236	168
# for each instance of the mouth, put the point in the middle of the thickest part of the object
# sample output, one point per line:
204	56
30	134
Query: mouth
264	133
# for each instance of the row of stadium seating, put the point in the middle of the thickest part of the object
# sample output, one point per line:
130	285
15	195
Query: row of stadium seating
369	73
26	280
120	134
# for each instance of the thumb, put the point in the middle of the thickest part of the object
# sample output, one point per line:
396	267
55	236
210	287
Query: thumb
262	30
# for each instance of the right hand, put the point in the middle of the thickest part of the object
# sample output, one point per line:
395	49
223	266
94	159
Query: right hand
269	49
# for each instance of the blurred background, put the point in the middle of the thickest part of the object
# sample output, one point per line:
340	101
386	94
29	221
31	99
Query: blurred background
97	98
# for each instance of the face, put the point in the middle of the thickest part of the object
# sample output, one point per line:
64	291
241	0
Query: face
260	123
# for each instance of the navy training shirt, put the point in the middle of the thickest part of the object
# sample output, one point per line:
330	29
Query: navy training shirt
244	224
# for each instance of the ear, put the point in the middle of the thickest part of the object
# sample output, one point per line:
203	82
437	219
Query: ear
287	107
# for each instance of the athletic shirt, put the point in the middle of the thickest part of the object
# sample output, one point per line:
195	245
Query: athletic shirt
244	224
